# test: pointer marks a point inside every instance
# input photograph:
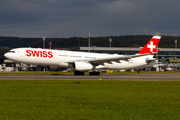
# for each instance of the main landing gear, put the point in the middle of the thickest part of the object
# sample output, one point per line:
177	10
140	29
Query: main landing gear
82	73
94	73
78	73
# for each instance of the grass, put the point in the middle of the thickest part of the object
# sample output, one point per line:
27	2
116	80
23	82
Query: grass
89	100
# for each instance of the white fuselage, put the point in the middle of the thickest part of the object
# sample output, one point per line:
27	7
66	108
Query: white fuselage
61	58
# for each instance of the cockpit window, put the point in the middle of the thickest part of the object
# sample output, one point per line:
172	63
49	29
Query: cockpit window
11	51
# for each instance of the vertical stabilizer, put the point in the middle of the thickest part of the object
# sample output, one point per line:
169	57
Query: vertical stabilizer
151	46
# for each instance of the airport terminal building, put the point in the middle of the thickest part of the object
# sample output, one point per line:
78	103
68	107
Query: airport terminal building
163	53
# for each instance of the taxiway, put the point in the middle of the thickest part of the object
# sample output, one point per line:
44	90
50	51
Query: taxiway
137	77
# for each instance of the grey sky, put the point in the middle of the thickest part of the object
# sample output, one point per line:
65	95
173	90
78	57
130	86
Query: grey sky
68	18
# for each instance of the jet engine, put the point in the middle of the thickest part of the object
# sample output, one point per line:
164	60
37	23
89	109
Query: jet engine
82	66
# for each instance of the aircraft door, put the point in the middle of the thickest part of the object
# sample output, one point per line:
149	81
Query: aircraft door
133	61
54	55
22	53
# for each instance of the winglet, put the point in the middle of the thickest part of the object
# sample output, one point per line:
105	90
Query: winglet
151	46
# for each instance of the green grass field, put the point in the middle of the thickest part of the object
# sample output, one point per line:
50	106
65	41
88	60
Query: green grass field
89	100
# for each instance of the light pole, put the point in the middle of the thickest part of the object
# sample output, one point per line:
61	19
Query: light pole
110	40
89	40
156	61
50	45
44	68
175	43
43	42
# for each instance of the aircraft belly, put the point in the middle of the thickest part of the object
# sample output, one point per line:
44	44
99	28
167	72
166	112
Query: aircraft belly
37	61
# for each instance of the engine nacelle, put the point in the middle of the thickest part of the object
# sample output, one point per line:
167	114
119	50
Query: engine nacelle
82	66
55	68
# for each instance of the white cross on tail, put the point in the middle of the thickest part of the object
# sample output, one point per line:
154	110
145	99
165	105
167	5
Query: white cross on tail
151	46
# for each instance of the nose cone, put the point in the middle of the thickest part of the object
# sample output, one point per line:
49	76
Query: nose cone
6	55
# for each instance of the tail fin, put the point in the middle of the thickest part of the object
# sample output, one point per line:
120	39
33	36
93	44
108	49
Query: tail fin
151	46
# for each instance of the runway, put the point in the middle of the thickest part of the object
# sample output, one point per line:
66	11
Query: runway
136	77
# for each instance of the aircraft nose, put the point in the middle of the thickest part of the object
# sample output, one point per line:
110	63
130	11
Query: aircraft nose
6	55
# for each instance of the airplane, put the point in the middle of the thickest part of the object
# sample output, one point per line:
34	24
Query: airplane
80	62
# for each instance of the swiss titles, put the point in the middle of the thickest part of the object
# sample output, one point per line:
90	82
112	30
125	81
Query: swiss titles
37	53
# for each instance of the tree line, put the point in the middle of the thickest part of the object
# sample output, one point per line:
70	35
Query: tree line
117	41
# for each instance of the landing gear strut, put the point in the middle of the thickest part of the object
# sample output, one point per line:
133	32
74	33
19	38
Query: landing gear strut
94	71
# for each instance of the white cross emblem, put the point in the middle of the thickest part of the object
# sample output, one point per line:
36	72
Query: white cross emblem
151	46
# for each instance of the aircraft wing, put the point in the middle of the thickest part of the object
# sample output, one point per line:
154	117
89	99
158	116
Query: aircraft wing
99	61
115	59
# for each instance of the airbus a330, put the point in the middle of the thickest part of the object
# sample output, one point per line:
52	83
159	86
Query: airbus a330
80	62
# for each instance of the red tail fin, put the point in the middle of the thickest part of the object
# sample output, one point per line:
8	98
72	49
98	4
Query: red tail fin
151	46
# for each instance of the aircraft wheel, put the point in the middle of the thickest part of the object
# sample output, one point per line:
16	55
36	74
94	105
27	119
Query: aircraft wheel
94	73
78	73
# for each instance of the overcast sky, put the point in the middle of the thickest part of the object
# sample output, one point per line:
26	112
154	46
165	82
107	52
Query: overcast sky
69	18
